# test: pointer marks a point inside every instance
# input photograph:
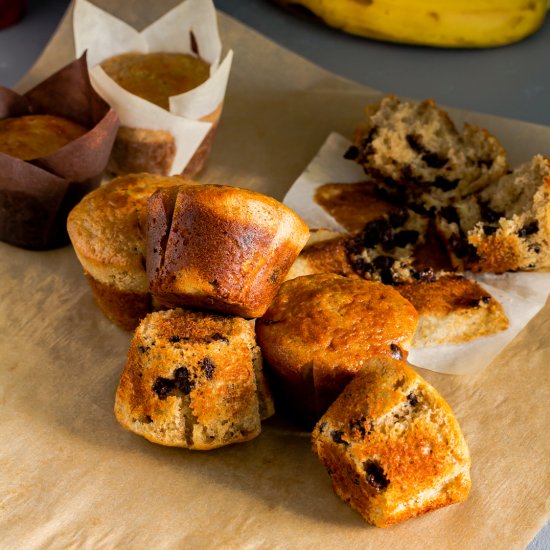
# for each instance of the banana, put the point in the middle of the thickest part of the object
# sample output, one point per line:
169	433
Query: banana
441	23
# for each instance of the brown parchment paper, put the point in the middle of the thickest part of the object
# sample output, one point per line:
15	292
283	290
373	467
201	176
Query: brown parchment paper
70	477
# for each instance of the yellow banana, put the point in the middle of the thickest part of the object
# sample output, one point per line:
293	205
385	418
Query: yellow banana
442	23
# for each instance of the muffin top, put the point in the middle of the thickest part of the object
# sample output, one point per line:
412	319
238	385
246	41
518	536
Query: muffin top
157	76
33	136
334	320
107	228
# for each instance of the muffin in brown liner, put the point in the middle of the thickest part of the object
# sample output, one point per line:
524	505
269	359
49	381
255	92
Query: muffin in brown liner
36	195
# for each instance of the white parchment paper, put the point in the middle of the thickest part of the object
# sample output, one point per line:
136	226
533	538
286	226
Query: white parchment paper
102	35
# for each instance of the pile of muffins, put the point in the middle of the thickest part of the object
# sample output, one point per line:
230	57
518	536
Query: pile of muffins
198	273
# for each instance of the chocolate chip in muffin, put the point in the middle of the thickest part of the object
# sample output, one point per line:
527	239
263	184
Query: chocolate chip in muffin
208	367
375	475
183	380
352	153
450	214
445	184
163	387
336	436
412	399
396	351
405	237
529	229
488	214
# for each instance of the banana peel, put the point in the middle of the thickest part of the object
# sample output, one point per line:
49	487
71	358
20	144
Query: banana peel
438	23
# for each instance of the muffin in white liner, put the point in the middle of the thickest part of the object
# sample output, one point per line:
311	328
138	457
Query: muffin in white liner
153	139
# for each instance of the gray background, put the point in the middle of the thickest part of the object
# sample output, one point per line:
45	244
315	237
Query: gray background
511	81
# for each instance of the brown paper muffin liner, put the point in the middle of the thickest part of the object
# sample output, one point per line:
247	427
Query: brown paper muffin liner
36	195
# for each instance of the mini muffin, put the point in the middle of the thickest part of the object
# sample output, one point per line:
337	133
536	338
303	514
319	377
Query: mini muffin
220	248
320	329
156	77
392	445
33	136
193	380
107	229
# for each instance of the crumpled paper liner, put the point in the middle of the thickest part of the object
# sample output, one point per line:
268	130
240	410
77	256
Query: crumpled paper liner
36	195
522	295
188	28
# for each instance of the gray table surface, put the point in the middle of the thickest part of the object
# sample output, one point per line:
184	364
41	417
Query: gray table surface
511	81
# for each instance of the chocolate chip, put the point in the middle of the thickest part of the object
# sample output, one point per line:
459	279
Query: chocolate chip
486	299
163	387
322	427
398	217
174	339
336	436
396	351
427	275
433	160
370	136
183	380
535	247
488	214
412	399
529	229
414	143
142	349
489	230
386	276
375	475
383	262
207	367
405	237
459	245
445	184
375	232
450	214
352	153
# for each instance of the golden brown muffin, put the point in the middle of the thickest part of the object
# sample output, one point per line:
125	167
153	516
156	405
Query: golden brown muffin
33	136
156	77
193	380
392	445
107	230
220	248
452	310
320	329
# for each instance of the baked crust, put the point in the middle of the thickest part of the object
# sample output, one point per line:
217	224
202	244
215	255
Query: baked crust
220	248
33	136
107	230
392	445
157	76
190	381
319	330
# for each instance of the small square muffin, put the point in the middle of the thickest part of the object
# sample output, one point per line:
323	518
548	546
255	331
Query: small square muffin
220	248
318	332
392	445
107	230
193	380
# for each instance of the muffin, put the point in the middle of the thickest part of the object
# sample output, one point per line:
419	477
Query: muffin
220	248
193	380
506	227
33	136
414	148
156	77
55	141
107	230
318	332
392	445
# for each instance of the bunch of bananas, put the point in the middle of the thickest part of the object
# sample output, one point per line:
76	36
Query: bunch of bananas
442	23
